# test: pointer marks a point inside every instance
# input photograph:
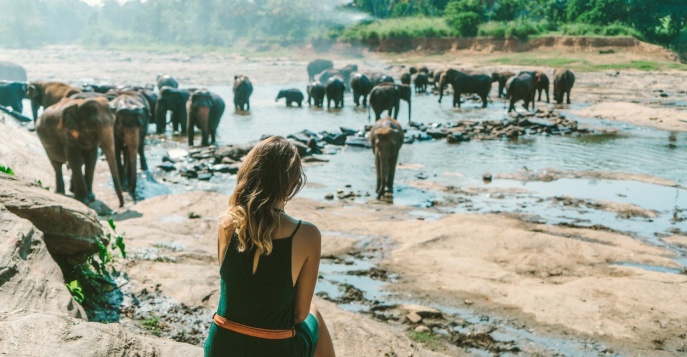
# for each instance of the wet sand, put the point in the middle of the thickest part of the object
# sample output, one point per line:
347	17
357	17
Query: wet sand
580	284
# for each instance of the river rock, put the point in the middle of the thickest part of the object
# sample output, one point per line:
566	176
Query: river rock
166	166
413	317
347	131
301	147
300	137
335	139
231	151
423	311
225	168
358	141
437	133
69	227
29	277
177	154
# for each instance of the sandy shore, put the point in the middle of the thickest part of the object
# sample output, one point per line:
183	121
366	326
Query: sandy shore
557	282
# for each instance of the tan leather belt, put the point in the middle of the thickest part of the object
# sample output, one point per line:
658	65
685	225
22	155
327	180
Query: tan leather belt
253	331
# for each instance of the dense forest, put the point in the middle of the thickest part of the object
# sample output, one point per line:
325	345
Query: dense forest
29	23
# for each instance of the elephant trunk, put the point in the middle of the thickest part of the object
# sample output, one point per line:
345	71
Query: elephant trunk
107	144
409	107
202	121
131	140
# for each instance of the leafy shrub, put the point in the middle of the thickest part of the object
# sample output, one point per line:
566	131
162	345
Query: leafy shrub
6	169
408	27
521	29
582	29
465	22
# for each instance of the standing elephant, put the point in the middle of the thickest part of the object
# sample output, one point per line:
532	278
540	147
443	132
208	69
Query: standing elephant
12	94
71	132
386	138
205	110
542	84
377	78
166	80
405	78
316	93
12	72
335	91
361	87
563	80
317	66
461	82
421	82
502	78
174	100
418	69
387	96
291	95
45	94
132	115
436	78
98	88
243	88
521	87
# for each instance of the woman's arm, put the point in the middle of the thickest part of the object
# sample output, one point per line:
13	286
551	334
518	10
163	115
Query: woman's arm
310	246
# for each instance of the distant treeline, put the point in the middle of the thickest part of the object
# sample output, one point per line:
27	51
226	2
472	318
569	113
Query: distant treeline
28	23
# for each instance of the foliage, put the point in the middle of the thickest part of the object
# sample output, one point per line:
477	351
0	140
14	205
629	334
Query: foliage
596	30
428	339
91	276
460	16
398	28
6	169
153	325
521	29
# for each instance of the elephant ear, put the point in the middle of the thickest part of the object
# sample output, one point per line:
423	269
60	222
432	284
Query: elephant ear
67	118
33	91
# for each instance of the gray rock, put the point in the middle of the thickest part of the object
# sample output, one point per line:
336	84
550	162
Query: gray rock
423	311
177	154
166	166
413	317
69	227
225	168
358	141
29	277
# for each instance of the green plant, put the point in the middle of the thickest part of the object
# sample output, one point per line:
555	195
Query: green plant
193	215
39	183
92	276
428	339
152	324
6	169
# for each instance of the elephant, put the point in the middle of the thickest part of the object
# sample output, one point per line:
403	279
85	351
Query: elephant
377	78
174	100
418	69
71	131
316	93
335	91
421	82
166	80
243	88
461	82
386	138
132	115
542	84
563	80
502	78
387	96
291	95
205	110
12	72
12	94
436	78
344	73
405	78
521	87
45	94
361	87
98	88
317	66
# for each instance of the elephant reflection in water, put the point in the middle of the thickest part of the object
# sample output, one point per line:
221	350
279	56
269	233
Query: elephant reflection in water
71	132
386	138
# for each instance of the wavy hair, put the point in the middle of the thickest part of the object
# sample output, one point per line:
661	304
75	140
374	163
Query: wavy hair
270	174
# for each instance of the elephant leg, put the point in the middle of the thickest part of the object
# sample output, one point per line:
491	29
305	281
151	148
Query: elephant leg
204	137
131	170
512	105
183	119
547	95
300	104
59	180
364	101
392	171
568	94
78	183
142	154
378	168
34	111
119	145
90	159
191	131
247	104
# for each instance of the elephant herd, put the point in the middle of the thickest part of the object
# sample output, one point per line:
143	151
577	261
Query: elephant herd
75	121
384	94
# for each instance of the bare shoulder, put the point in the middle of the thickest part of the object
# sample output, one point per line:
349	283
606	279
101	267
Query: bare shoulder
308	234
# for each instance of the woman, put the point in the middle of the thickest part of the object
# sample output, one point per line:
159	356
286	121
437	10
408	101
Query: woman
269	264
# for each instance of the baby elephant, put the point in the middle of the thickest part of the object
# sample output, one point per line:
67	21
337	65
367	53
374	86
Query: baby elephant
204	110
291	95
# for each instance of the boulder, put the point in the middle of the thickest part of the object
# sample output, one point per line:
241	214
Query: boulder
29	277
423	311
68	226
233	152
51	334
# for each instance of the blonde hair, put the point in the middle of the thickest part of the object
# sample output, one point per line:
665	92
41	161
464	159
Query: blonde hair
271	174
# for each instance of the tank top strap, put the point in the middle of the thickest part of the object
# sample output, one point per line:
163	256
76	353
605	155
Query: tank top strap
295	230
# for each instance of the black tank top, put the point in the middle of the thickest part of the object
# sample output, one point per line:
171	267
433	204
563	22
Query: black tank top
264	299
